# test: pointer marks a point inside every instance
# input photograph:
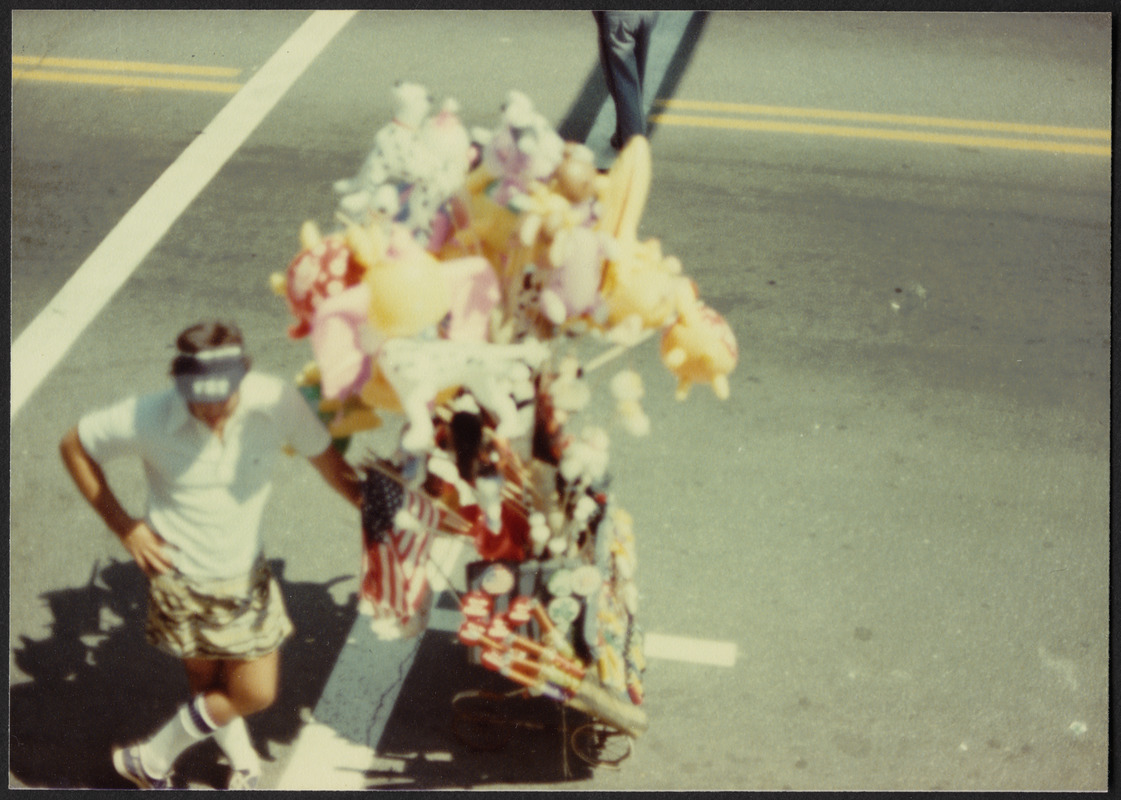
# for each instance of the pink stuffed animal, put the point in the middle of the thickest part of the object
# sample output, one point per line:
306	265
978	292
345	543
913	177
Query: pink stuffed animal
475	292
343	342
572	286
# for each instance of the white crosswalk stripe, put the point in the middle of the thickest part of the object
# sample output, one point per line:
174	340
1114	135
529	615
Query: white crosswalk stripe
322	758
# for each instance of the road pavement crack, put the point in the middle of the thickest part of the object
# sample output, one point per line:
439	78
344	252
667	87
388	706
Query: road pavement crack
389	696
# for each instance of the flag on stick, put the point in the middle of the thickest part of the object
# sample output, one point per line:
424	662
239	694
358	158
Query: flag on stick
398	527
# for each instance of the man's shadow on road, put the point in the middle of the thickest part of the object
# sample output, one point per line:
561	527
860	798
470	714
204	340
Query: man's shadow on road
96	683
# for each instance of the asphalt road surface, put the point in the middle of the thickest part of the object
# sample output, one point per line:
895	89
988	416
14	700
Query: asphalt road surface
885	556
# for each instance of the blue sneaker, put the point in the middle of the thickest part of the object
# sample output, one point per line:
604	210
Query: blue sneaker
126	760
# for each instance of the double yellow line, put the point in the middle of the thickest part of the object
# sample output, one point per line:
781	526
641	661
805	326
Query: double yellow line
894	127
137	74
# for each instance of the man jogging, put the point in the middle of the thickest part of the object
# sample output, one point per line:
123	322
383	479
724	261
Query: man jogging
209	446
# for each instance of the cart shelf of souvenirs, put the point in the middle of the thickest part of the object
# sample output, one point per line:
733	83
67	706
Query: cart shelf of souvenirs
464	278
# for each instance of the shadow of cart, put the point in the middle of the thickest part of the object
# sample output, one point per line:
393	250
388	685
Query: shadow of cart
522	741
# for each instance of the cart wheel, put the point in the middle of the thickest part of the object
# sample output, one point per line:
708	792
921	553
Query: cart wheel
480	721
601	745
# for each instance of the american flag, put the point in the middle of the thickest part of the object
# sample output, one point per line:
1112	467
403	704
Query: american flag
395	580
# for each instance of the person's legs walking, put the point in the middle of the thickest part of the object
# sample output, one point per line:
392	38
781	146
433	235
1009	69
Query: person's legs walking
245	764
617	36
203	674
643	31
148	764
245	687
602	37
223	692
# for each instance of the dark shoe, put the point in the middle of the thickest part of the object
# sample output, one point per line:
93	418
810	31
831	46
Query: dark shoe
126	760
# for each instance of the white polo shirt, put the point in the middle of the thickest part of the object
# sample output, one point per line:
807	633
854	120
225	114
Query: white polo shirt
206	495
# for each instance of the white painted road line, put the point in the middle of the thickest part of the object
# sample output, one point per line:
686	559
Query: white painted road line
655	645
337	749
51	334
326	757
322	760
694	651
445	556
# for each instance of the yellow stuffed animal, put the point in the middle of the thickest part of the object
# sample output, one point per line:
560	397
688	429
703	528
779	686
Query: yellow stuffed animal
408	290
640	281
342	418
700	348
491	226
623	195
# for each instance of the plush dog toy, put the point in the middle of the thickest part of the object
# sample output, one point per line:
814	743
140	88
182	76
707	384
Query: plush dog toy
500	377
397	161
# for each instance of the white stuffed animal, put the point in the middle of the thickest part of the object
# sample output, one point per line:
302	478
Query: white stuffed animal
444	138
396	160
448	152
523	149
500	377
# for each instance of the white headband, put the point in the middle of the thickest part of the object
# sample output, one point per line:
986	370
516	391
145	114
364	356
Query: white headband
229	351
217	374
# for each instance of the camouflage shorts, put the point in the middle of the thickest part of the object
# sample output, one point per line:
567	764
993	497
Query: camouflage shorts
241	618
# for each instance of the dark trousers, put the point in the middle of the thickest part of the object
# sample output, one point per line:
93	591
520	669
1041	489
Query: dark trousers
624	38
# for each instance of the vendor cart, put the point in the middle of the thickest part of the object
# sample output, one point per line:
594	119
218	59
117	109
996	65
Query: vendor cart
468	270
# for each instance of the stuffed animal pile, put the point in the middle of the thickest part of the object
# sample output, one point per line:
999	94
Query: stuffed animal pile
462	269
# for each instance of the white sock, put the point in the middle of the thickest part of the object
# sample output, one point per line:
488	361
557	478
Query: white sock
233	738
191	724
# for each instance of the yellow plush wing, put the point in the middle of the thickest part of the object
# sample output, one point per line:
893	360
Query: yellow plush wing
623	197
